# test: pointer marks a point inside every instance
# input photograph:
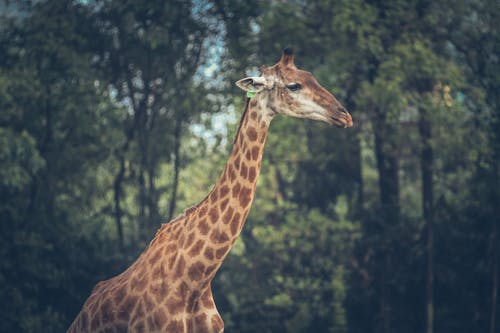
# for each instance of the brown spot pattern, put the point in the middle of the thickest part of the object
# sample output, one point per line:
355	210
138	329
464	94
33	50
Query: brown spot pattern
245	196
182	239
176	235
223	205
158	319
196	248
203	227
175	326
148	301
235	223
232	174
219	236
139	312
224	190
203	211
252	174
106	311
182	290
159	291
195	272
252	133
157	272
120	294
209	253
129	304
221	252
171	262
214	214
211	269
189	240
244	170
214	195
179	269
139	283
170	248
262	138
217	323
227	216
175	306
201	322
255	152
236	190
192	302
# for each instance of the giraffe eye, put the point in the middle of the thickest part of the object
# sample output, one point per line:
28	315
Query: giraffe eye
293	86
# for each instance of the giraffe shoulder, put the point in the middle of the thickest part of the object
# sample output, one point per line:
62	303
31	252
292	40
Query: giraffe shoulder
100	286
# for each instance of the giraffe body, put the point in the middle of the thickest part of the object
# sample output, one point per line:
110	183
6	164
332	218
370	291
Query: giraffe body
168	288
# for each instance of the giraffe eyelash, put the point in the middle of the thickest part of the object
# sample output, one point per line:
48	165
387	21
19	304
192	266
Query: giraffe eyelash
293	86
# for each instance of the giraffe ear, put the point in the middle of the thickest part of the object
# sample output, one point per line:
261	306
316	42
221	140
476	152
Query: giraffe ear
253	84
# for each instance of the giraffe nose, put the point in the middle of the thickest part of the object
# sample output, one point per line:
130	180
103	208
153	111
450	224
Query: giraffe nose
349	119
345	116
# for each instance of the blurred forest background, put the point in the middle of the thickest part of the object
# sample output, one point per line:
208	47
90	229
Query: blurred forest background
117	115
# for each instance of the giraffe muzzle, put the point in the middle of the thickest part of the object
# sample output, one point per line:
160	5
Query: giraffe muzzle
341	118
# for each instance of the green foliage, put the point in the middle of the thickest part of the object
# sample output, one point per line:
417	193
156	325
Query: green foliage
299	263
19	158
107	126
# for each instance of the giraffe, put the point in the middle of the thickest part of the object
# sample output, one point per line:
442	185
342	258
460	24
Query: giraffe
168	288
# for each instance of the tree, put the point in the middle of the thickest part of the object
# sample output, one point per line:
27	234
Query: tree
53	125
105	130
476	41
149	55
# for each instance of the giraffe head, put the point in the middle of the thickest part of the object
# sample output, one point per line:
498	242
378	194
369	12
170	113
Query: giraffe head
294	92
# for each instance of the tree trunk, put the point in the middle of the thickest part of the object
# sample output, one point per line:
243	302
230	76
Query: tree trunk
494	234
351	92
386	153
117	188
388	167
142	199
495	139
494	277
385	307
142	142
359	177
426	167
118	183
175	182
152	195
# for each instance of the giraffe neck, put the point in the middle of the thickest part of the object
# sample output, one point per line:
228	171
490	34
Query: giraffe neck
220	217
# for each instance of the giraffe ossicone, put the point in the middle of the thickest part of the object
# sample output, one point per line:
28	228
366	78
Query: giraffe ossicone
168	288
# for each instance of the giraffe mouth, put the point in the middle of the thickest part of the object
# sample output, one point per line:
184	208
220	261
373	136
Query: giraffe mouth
341	119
